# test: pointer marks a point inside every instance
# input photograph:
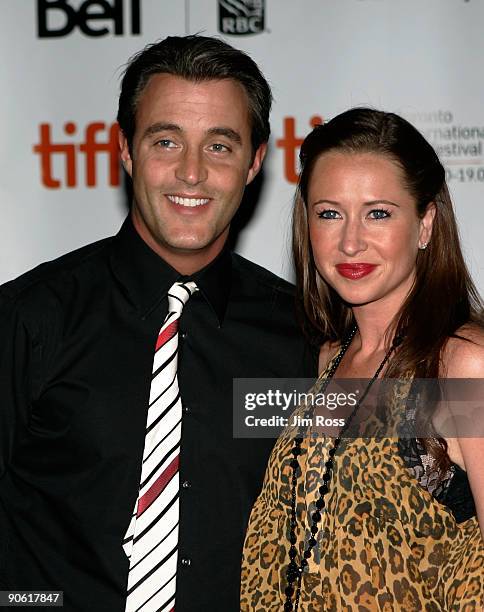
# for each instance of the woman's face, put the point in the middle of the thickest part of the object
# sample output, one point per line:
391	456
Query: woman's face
364	228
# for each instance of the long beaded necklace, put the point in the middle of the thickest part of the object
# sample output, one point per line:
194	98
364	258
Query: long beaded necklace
294	571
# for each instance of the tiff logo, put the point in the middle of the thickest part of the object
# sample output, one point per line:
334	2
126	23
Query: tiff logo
241	17
57	18
70	152
290	143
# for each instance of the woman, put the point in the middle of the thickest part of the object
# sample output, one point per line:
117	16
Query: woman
376	522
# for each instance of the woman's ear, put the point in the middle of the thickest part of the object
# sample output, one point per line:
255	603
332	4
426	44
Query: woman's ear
426	223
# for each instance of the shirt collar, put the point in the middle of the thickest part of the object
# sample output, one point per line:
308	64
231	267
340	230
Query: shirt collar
146	277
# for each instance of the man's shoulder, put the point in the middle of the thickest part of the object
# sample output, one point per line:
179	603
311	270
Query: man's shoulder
84	261
262	277
277	297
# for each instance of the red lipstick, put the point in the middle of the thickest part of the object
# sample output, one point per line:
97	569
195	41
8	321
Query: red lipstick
355	271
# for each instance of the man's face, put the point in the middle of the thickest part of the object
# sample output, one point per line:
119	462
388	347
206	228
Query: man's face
191	160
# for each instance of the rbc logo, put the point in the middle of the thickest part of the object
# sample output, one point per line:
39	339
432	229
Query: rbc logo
241	17
57	18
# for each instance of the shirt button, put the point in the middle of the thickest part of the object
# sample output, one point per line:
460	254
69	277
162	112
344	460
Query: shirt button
183	335
186	408
186	484
186	562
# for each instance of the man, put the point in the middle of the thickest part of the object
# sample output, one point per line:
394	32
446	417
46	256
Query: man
78	376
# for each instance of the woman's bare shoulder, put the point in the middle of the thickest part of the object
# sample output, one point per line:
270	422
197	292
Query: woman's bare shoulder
463	355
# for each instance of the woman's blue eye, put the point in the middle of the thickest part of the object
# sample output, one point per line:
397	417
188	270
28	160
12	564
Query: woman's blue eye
328	214
380	213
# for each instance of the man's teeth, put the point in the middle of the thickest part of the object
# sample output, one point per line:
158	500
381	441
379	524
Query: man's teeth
187	201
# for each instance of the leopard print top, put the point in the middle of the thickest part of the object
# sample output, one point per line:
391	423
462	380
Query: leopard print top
384	544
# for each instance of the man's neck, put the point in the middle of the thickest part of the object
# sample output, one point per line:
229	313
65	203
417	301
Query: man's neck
184	261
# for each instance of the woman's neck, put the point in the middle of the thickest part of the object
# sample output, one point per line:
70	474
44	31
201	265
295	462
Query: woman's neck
375	320
373	325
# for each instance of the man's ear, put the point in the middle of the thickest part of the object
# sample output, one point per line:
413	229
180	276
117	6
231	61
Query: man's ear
257	162
124	152
426	223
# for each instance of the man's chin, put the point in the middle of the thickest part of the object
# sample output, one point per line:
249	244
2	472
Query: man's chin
196	241
190	245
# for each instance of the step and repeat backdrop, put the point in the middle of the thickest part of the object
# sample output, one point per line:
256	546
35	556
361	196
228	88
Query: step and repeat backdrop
60	182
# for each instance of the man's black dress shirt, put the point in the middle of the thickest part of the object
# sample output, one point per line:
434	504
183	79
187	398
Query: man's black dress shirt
77	337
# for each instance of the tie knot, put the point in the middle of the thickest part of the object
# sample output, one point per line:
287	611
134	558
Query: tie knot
178	295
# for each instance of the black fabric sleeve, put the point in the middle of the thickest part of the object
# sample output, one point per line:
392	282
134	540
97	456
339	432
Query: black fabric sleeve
16	361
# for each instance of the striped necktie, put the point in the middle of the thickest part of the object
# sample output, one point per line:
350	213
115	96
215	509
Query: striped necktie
151	542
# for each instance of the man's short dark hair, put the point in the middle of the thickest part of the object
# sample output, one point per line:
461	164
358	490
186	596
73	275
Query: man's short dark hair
195	58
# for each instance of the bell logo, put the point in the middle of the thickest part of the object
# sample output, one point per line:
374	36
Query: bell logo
69	151
241	17
57	18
